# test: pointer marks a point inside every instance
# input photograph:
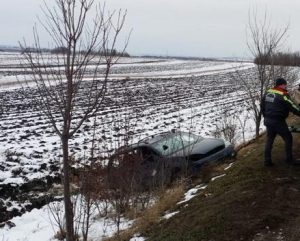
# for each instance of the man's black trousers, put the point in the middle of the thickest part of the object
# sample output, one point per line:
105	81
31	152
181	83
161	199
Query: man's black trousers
281	129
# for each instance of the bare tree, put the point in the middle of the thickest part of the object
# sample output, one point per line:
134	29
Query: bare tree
71	84
242	124
264	41
227	128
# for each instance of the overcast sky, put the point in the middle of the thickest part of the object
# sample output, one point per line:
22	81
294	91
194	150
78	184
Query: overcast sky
201	28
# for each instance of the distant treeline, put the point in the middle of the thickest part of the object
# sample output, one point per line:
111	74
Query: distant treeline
63	50
284	59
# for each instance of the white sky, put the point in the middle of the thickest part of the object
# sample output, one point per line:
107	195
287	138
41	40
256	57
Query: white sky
202	28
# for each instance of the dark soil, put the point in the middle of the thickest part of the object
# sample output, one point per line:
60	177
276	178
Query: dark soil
30	195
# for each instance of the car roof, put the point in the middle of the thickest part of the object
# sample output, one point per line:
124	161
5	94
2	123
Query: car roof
148	141
157	137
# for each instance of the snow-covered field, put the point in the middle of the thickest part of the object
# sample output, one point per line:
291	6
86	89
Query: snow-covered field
150	95
192	96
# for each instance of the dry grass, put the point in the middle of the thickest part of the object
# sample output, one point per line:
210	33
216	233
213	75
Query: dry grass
166	200
208	171
60	235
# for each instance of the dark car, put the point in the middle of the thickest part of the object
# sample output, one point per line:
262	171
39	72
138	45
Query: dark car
163	157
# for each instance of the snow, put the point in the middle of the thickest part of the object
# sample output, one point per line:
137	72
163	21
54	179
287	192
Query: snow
191	193
39	225
229	166
137	238
152	68
217	177
15	180
169	215
33	226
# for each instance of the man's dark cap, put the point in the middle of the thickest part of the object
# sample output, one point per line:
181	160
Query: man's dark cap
280	81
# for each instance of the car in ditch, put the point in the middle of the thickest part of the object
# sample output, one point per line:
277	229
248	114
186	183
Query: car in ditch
163	157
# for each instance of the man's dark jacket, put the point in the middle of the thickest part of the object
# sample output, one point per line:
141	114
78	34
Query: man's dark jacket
276	105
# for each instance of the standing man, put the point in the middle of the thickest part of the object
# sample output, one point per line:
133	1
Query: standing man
275	107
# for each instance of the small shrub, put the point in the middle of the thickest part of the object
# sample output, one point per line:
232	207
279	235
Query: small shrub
60	235
166	201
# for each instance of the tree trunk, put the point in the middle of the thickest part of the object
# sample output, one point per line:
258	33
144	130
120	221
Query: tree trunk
257	126
66	182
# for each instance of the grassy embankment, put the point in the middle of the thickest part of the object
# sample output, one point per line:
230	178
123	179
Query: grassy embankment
251	202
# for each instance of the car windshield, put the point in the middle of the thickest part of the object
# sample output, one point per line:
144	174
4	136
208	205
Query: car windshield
173	143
